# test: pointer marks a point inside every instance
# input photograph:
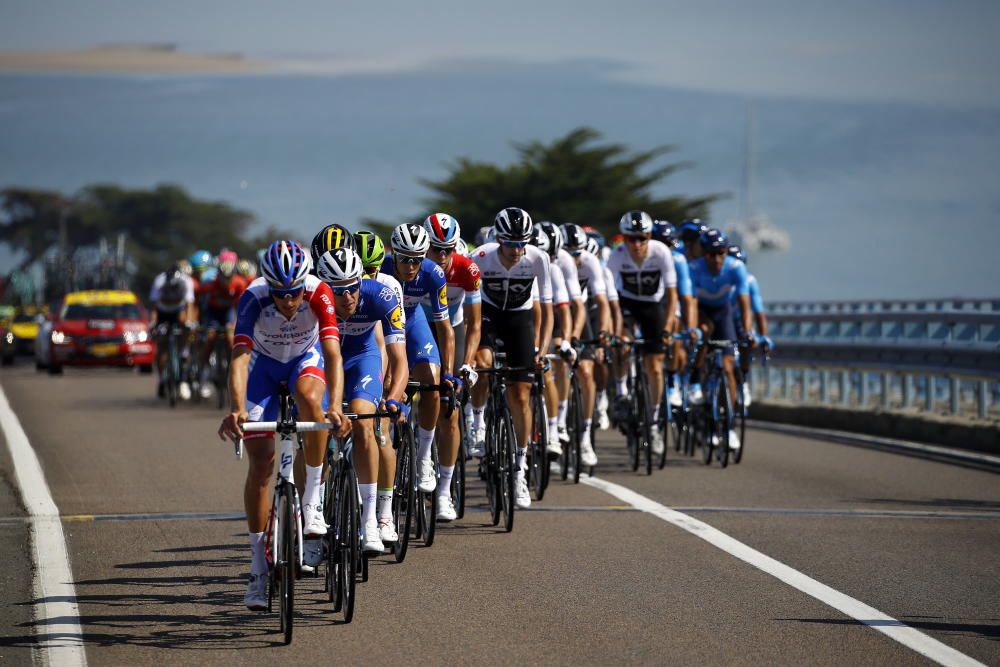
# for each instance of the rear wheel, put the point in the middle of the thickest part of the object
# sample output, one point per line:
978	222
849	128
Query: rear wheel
574	423
404	495
538	460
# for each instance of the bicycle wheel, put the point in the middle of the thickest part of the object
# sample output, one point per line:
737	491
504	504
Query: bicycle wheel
404	495
575	417
490	466
644	425
173	372
537	455
634	437
458	478
288	553
350	546
506	442
665	425
331	511
428	503
708	426
741	426
722	422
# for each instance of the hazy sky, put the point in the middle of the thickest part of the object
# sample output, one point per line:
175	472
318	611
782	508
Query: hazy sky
942	52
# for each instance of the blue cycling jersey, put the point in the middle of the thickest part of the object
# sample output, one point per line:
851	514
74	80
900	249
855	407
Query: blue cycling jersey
684	287
756	301
377	303
716	290
429	287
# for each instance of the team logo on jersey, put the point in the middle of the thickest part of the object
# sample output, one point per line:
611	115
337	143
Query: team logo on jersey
443	295
364	382
386	294
429	347
479	283
396	318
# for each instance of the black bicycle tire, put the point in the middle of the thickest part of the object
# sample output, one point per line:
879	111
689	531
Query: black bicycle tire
741	417
645	423
287	581
458	478
430	504
708	428
577	417
536	447
351	551
723	424
403	497
508	469
330	511
491	465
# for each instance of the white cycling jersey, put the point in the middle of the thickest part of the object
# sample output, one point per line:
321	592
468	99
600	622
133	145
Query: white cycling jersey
168	297
566	262
609	282
560	293
512	289
647	282
591	275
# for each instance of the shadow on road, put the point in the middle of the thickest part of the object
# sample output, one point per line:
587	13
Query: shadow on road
939	503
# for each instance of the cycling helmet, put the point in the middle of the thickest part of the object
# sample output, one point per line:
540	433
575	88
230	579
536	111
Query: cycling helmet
541	240
442	229
227	262
574	238
462	248
285	265
513	224
636	222
410	239
737	252
184	266
330	237
692	228
713	240
596	235
490	235
551	230
339	265
246	268
370	249
593	247
200	260
664	232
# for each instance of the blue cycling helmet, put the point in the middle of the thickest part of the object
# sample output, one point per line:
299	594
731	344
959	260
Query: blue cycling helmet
713	240
285	265
443	230
692	228
737	252
664	232
200	260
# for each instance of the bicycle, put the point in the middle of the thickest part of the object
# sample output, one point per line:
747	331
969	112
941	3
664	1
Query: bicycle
283	535
428	500
741	409
637	429
674	421
717	413
538	457
172	372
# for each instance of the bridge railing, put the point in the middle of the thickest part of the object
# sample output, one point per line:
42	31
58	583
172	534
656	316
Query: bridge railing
892	355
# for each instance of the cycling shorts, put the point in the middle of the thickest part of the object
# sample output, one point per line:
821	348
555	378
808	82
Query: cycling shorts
591	328
459	331
512	332
721	317
650	316
420	345
363	377
266	376
220	317
165	318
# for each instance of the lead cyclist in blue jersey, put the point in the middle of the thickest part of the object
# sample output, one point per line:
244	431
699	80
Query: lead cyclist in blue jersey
716	277
362	305
423	282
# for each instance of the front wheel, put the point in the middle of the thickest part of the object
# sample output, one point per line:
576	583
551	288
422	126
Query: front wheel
285	567
506	442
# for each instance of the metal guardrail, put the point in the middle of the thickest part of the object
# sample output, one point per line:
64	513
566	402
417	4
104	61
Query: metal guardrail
904	354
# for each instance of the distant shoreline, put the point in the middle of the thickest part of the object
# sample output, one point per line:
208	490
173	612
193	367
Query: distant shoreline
129	58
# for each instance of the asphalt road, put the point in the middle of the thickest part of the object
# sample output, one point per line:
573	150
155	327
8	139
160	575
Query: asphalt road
582	579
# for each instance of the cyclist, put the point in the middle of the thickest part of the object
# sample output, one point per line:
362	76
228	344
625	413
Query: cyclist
512	273
329	238
247	269
665	233
715	277
286	331
759	316
545	240
221	295
647	289
596	323
361	304
423	281
465	313
372	253
172	297
601	372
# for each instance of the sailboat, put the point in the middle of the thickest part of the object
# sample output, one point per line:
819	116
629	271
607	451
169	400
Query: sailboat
753	230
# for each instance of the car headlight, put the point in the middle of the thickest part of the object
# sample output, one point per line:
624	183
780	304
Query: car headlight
129	337
142	336
9	337
58	338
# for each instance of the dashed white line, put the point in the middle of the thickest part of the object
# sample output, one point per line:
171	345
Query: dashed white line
57	616
859	611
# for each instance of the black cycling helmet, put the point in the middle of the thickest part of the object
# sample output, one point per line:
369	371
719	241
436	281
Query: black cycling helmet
551	230
574	238
513	224
330	238
713	240
692	229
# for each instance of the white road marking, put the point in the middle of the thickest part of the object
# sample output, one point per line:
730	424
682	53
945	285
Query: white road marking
57	616
859	611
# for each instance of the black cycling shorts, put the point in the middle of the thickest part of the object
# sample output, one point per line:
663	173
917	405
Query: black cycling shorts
513	332
723	327
591	328
163	320
650	316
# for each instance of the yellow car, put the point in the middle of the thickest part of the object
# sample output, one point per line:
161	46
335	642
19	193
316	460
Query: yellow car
24	328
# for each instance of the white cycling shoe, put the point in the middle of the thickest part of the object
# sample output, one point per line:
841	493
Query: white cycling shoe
205	390
313	524
563	433
428	476
522	498
734	440
695	395
603	421
587	455
446	509
184	391
657	442
371	542
675	398
554	449
256	596
747	400
387	532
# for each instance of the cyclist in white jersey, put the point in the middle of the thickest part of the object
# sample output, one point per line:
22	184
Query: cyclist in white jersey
172	296
647	289
511	270
601	373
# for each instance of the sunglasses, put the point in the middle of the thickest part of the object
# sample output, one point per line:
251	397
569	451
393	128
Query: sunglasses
636	239
408	259
442	250
341	290
292	293
513	244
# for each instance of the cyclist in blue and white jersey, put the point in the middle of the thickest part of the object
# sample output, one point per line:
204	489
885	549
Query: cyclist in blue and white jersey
362	305
286	332
647	289
687	313
513	272
423	281
716	277
759	317
596	323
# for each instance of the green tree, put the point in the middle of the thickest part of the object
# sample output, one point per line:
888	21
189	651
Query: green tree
572	179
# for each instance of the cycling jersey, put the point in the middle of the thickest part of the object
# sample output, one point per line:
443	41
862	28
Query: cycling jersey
683	274
429	287
560	292
263	329
512	289
756	302
609	282
464	282
391	281
717	290
591	278
566	262
647	282
222	293
362	357
173	296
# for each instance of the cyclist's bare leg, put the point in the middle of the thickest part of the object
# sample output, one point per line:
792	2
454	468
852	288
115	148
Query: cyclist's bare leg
366	450
484	359
256	490
588	390
448	437
654	371
520	409
727	366
430	403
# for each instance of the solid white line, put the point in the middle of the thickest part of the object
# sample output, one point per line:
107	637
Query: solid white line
859	611
57	616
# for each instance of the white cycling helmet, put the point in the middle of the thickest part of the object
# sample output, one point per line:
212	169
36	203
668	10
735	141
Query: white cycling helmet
339	265
636	222
410	239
